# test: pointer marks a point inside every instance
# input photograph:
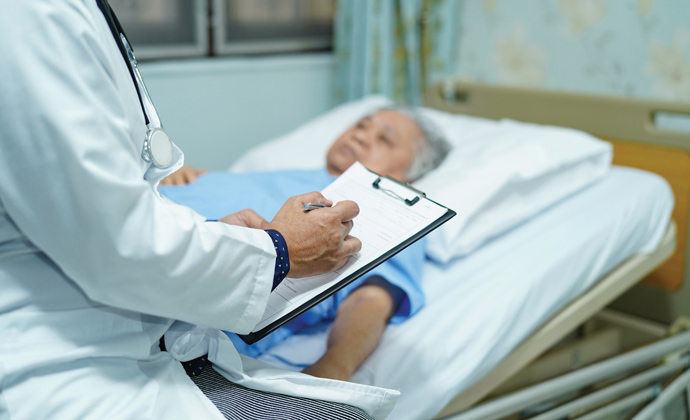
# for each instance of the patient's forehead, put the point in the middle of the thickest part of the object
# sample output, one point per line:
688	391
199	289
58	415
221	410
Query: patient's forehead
396	124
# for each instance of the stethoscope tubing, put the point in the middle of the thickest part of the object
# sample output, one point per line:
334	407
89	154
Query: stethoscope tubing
153	124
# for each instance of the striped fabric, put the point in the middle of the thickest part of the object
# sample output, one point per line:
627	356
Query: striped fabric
240	403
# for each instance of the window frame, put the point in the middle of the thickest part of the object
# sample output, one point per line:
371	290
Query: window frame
294	45
199	48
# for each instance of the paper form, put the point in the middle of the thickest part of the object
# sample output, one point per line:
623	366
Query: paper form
384	222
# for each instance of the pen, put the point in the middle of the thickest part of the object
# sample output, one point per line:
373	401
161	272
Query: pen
312	206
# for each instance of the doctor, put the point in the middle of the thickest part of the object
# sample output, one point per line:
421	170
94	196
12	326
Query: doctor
95	265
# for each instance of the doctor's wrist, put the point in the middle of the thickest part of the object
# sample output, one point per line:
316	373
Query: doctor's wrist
282	265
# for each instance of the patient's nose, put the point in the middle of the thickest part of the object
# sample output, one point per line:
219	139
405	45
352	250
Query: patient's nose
361	137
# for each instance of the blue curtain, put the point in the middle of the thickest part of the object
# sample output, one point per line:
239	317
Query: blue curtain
380	47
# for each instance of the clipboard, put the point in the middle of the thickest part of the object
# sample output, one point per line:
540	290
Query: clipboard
412	216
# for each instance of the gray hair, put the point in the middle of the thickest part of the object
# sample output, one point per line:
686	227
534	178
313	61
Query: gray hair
433	148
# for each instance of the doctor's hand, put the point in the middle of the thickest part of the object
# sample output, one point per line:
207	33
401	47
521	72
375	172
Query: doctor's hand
185	175
246	218
318	241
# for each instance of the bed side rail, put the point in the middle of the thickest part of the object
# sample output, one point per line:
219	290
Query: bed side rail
646	368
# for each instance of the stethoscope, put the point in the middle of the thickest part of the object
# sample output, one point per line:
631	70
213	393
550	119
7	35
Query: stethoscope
158	148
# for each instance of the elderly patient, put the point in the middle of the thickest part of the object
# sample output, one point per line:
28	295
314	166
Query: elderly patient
394	142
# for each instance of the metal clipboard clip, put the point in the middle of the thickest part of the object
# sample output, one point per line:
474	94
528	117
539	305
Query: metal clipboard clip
409	202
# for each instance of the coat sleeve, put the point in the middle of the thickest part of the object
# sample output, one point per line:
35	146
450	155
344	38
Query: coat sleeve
71	180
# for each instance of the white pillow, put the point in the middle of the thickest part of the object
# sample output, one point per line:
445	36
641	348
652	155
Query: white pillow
502	176
306	146
499	173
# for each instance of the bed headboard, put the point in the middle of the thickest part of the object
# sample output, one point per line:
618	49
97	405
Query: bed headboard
629	124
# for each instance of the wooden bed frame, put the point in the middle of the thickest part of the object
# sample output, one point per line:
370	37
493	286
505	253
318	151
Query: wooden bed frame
629	125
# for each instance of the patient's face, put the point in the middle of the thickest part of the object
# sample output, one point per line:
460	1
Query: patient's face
384	142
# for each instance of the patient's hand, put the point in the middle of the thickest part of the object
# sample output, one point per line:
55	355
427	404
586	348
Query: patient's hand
318	241
185	175
246	218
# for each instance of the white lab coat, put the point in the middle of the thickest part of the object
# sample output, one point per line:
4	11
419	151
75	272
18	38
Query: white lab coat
94	264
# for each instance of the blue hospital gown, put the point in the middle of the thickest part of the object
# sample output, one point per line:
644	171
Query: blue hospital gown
217	194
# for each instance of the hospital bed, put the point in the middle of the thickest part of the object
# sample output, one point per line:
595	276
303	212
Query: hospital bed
492	312
638	143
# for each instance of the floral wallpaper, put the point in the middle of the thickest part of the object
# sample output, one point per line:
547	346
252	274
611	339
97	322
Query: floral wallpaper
638	48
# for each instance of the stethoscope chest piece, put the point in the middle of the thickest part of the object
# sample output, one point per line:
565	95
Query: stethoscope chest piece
158	148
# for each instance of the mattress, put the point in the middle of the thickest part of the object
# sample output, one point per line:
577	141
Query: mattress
482	306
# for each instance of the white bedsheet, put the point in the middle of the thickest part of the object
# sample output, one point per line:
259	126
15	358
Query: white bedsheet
481	306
